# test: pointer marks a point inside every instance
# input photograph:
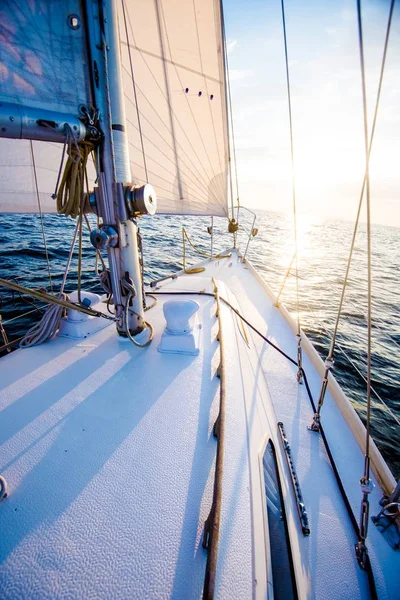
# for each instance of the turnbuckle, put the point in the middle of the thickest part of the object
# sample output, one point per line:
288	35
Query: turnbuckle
299	360
316	422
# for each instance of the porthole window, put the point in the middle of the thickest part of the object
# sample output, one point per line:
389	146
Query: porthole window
281	557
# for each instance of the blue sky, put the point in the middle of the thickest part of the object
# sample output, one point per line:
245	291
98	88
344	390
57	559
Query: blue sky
326	104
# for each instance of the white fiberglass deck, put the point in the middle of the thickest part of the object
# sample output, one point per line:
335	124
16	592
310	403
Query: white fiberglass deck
109	456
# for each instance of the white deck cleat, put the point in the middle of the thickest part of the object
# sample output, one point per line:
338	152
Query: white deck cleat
78	325
182	333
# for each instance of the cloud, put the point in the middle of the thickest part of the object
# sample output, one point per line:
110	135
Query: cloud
237	74
230	46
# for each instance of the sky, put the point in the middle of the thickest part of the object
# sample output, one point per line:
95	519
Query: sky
327	111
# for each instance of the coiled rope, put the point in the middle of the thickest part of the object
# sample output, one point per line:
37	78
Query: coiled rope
71	190
47	327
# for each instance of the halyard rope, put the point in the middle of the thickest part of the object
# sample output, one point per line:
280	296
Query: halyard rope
70	191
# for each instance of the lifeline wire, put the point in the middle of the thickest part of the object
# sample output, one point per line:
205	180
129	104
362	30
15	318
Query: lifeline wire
361	549
299	375
332	346
329	360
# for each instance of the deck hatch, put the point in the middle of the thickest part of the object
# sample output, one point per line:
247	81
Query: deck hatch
281	557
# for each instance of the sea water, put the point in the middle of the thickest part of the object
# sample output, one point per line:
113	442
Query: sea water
312	287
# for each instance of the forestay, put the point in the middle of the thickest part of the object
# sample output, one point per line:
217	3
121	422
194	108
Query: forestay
43	64
174	84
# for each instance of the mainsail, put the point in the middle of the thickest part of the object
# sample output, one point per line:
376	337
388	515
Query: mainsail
173	70
174	84
43	65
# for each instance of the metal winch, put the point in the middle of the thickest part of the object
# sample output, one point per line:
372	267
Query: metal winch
140	200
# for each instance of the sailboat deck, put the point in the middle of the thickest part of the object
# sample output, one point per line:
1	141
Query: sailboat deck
109	456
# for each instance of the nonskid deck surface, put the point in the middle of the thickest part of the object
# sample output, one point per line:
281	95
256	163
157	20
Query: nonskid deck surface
108	453
330	548
109	456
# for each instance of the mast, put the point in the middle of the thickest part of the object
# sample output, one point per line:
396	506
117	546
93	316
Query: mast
69	112
113	155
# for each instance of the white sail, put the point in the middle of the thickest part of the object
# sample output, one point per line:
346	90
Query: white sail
43	61
174	84
29	172
18	193
174	87
43	65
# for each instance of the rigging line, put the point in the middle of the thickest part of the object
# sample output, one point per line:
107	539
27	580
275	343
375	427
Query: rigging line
299	357
9	344
353	364
45	297
80	224
353	304
369	148
368	566
25	314
341	349
165	60
365	481
134	92
41	214
225	50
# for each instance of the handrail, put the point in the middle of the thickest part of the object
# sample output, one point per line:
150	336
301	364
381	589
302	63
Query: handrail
305	527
